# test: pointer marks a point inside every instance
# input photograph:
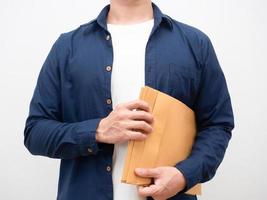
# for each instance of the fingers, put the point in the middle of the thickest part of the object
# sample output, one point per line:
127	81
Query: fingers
132	124
125	111
148	172
135	135
138	104
148	191
141	115
139	125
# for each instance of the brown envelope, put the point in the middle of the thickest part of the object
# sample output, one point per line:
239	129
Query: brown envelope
170	142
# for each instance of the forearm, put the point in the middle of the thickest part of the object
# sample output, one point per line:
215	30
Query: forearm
206	156
61	140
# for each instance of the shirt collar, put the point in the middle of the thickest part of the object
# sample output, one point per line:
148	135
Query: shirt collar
158	16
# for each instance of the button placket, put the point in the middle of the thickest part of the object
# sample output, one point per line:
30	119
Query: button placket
108	70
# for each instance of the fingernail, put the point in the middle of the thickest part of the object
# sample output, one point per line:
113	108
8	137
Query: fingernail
138	170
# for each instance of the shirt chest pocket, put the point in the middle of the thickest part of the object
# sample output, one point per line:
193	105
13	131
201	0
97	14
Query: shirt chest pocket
183	82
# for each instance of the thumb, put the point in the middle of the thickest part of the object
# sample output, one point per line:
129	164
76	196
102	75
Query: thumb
148	191
147	172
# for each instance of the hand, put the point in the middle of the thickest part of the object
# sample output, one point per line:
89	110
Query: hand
128	121
168	181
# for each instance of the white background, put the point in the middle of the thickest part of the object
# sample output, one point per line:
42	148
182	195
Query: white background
238	31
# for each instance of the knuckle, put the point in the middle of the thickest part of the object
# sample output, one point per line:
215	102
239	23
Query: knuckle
145	171
122	115
116	113
118	123
126	115
145	103
134	102
144	125
157	172
119	106
143	114
150	128
127	135
139	102
150	115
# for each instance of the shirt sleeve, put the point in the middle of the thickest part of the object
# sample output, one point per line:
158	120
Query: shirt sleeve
44	133
215	121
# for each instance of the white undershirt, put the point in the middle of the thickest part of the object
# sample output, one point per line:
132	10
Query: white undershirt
128	76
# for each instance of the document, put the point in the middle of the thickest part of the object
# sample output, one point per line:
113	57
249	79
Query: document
170	141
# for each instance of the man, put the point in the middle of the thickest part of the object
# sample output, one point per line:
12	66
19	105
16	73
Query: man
85	105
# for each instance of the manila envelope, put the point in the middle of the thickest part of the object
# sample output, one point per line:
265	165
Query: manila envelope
170	141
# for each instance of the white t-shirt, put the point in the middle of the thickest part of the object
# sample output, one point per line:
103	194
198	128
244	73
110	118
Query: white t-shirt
128	76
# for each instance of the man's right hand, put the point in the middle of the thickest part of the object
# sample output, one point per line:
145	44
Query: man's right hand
128	121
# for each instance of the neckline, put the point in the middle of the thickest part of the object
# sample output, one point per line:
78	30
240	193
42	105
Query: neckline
131	25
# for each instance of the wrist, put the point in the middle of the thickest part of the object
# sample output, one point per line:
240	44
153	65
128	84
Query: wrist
181	179
99	131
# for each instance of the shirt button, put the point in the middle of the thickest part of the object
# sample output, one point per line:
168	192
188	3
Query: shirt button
108	68
108	37
108	168
108	101
90	150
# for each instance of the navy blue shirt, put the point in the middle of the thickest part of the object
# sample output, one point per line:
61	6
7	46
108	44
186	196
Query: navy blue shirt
73	94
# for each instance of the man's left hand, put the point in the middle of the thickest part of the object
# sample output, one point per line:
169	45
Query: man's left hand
168	181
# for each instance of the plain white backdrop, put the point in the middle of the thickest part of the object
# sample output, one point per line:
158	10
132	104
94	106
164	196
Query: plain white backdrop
238	30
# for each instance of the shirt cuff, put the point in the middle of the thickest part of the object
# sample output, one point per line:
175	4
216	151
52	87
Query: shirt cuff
191	169
85	136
